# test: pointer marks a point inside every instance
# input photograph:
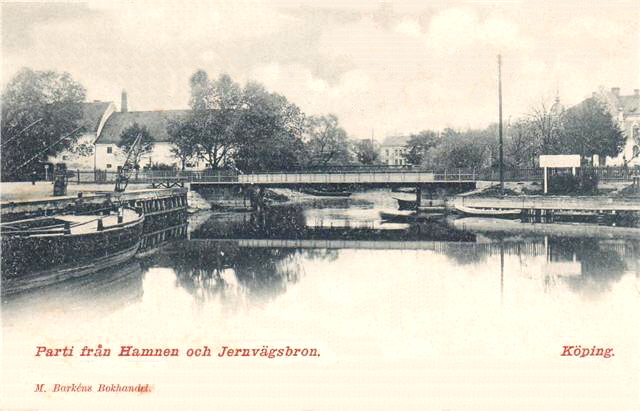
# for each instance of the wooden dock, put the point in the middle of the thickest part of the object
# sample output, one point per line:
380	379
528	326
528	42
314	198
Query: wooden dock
558	203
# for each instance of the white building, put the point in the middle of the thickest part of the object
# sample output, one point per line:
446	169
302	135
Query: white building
95	116
102	128
107	154
393	150
625	109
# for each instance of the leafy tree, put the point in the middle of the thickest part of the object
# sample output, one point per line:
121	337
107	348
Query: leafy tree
366	152
41	111
182	134
84	149
418	146
589	129
469	149
128	138
214	117
326	143
269	132
249	126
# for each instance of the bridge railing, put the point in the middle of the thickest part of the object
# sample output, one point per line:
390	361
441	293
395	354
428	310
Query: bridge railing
352	174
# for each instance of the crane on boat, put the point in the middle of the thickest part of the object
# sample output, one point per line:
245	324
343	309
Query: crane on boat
124	172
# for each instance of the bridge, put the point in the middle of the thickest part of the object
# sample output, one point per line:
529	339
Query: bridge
329	180
373	178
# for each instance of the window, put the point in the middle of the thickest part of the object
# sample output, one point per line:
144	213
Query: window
108	165
65	158
109	150
636	151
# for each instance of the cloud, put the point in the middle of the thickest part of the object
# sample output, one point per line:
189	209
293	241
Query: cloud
393	67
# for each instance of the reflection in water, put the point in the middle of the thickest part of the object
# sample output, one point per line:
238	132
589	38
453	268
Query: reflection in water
225	270
593	264
104	291
258	255
406	305
296	222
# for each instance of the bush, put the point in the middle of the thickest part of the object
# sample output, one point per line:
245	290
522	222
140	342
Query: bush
585	183
162	166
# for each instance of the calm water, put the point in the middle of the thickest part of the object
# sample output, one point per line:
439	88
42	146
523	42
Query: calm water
446	314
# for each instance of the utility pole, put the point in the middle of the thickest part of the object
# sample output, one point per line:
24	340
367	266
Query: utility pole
500	122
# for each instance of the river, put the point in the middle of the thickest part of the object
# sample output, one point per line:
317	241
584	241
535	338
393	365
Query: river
457	314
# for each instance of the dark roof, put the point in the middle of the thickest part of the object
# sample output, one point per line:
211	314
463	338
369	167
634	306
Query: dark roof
155	121
630	104
395	141
92	114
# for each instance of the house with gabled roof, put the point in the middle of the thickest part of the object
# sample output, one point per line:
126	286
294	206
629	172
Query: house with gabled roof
109	156
102	127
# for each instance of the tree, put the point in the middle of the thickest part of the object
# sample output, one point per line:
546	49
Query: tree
326	143
521	150
144	146
182	134
215	112
418	146
269	132
545	129
366	152
468	149
84	149
41	111
589	129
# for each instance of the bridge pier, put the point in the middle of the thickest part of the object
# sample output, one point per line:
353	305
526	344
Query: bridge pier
418	195
256	197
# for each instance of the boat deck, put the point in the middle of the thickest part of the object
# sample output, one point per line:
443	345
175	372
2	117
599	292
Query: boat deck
84	224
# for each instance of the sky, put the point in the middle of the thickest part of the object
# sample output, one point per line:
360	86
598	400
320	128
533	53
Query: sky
384	68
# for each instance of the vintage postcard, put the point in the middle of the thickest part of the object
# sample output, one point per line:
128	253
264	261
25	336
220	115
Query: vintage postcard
320	205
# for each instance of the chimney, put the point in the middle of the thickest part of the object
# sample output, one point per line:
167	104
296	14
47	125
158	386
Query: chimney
636	92
616	91
123	103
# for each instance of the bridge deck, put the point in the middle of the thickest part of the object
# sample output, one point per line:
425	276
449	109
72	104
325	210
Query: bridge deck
355	178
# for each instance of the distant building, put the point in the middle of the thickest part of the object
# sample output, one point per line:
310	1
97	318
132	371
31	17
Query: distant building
393	150
625	109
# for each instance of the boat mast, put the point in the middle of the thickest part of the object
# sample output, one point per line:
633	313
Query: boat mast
500	122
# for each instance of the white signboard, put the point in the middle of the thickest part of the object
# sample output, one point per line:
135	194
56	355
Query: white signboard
560	161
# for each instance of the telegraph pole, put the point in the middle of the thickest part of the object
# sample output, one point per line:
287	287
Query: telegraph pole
500	122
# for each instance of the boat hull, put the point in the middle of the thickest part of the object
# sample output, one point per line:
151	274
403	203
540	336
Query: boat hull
321	193
409	218
41	260
406	204
12	285
494	213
